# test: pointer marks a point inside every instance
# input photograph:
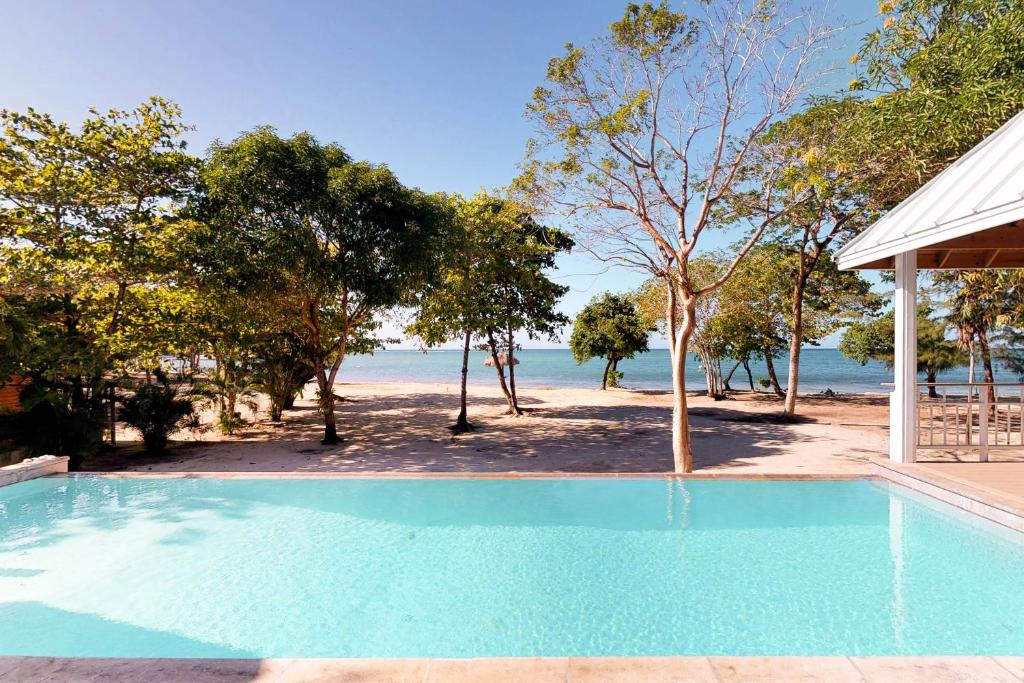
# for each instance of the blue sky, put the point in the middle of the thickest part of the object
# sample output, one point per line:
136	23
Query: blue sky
434	89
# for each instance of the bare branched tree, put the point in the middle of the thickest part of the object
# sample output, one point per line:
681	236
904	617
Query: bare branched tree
641	135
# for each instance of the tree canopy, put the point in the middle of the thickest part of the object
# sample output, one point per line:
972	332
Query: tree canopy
610	327
329	240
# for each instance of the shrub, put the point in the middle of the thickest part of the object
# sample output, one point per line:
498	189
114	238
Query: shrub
155	410
48	423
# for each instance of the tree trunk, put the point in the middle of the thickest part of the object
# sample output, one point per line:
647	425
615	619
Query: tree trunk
604	380
772	377
614	371
113	417
327	406
493	344
796	335
728	378
931	377
516	410
679	340
970	363
750	375
988	374
461	422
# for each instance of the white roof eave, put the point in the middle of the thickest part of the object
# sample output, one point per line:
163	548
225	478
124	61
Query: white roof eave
849	256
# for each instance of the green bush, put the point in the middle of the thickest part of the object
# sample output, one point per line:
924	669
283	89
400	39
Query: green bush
155	410
49	424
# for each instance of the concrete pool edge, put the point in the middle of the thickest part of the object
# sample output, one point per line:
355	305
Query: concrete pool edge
33	468
981	502
784	476
539	669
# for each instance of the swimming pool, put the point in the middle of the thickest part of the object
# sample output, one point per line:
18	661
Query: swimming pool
206	567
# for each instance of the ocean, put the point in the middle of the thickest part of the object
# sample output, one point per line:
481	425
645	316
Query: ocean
820	369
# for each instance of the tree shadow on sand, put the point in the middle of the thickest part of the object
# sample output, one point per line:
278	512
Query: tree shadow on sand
409	433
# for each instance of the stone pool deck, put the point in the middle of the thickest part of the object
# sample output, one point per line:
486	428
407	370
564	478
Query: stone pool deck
527	670
993	490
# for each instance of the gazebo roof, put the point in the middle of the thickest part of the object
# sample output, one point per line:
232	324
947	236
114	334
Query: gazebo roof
969	216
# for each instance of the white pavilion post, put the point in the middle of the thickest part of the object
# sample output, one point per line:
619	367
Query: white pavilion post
903	402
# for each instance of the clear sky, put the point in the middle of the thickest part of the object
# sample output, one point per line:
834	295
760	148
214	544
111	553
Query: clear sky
435	89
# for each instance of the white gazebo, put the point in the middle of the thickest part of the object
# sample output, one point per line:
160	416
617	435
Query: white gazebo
969	216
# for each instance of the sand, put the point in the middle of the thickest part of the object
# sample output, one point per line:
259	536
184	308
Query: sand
405	427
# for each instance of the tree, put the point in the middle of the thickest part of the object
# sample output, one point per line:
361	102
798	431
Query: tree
979	302
281	368
86	218
608	327
946	73
330	241
809	146
641	135
874	339
519	297
451	307
492	285
155	410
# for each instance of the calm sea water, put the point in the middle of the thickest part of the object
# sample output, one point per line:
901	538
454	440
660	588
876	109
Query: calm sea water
820	369
466	568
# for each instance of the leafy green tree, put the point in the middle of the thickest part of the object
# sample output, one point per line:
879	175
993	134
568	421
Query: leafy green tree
330	241
946	73
86	217
979	303
809	148
642	134
520	298
451	307
281	368
874	339
608	327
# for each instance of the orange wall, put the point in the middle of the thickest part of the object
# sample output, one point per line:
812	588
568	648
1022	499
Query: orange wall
9	392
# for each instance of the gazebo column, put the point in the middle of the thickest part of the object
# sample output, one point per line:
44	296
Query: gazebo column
903	401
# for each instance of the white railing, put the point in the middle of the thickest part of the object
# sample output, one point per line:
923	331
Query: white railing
962	416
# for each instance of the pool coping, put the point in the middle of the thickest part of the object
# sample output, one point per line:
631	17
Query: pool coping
759	476
980	501
534	669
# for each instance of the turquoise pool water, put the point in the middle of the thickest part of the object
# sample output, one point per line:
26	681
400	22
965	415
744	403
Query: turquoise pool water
462	568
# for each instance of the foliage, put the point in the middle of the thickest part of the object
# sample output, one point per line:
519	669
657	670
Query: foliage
155	410
491	283
50	423
948	73
874	339
328	240
642	134
281	368
609	327
86	220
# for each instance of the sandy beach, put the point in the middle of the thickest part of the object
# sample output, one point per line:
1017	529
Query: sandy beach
404	428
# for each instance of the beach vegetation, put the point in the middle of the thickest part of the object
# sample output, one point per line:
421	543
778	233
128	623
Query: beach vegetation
521	297
874	339
609	327
642	134
329	240
156	409
87	215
